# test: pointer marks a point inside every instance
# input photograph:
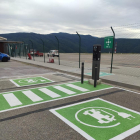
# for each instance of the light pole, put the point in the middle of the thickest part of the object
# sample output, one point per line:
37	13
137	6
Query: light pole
79	47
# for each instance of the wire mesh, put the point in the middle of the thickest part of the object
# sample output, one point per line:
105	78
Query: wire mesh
126	60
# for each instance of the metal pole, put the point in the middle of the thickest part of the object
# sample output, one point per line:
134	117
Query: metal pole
11	50
23	46
82	72
43	49
95	79
33	49
26	51
58	50
29	48
112	48
20	50
79	47
8	49
15	50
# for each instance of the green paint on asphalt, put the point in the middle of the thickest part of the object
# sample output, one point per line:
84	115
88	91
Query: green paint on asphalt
30	81
37	94
101	74
99	119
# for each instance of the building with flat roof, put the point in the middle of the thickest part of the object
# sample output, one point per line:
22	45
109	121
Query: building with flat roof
6	46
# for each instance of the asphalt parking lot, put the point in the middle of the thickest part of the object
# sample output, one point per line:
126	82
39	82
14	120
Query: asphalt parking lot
16	70
32	118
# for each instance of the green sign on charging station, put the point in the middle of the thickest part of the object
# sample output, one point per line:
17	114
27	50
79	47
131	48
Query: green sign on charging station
108	42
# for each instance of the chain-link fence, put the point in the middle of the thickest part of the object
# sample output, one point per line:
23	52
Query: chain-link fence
126	58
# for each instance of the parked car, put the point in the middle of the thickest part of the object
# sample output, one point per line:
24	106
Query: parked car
53	53
4	57
38	54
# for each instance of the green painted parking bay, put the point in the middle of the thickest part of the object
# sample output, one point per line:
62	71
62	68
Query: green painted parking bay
98	119
22	98
30	81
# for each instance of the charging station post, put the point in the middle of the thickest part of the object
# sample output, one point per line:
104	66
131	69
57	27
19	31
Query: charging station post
96	63
82	73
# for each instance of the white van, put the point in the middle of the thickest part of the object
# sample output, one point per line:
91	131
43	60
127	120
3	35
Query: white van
53	53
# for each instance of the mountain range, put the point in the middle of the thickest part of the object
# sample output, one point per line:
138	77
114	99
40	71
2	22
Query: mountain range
69	43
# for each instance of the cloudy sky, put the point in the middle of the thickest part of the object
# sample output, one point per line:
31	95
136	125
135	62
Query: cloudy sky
94	17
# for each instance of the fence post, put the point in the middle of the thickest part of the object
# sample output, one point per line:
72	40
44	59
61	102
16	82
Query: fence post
33	49
43	49
20	50
58	50
112	49
82	72
26	51
15	50
79	47
23	46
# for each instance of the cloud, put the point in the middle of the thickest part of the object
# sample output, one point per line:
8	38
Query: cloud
88	17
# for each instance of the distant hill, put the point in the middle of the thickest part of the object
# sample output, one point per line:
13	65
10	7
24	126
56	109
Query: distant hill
69	43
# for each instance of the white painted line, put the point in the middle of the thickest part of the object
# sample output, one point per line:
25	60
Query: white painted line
49	92
12	99
49	86
32	96
120	106
47	79
127	133
77	87
52	99
14	83
119	137
97	99
84	134
31	84
127	90
64	90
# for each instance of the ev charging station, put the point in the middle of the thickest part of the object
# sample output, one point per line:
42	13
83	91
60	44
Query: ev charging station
96	63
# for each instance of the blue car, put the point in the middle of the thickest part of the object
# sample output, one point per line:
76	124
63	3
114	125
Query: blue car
4	57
